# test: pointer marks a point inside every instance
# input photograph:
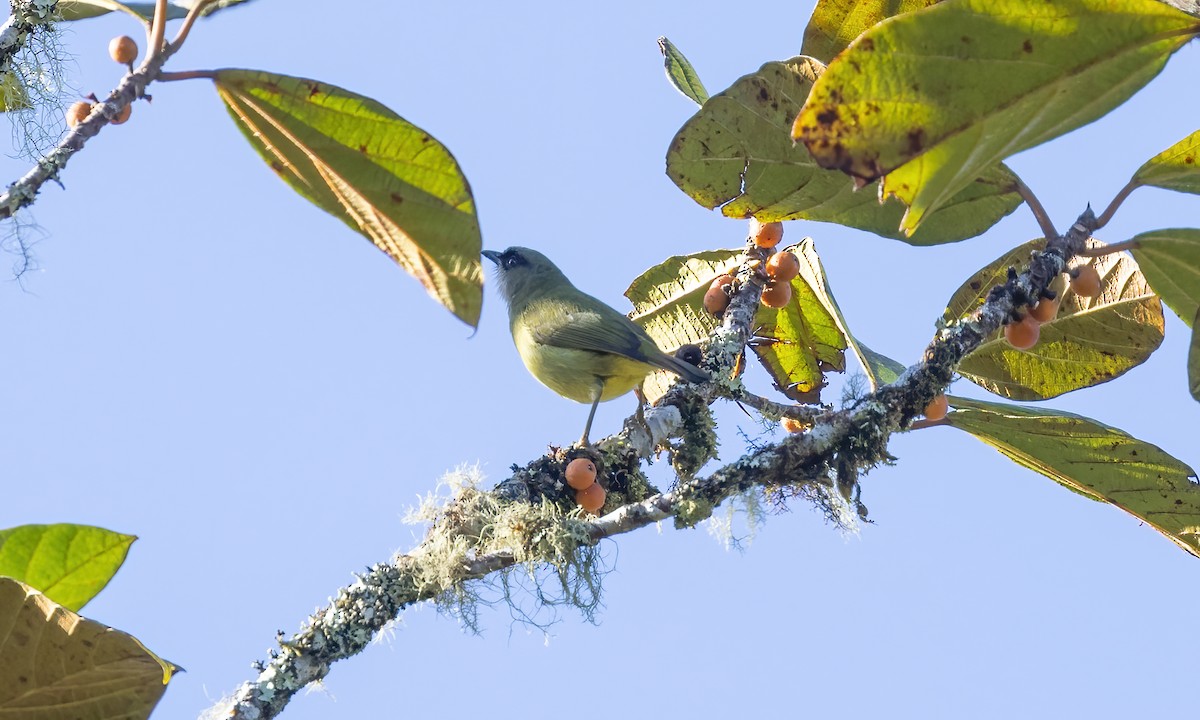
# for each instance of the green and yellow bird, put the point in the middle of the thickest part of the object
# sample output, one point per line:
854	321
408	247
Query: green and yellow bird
571	342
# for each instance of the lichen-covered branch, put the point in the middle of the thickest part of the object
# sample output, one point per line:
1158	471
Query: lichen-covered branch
26	17
527	520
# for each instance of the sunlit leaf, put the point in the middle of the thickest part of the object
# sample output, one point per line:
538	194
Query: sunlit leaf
681	73
736	154
84	9
1175	168
834	23
69	563
1171	261
801	342
1091	341
55	664
668	302
372	169
1096	460
13	95
930	99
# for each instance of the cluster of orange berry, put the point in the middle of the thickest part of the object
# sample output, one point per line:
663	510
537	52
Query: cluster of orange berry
1024	333
781	268
581	476
123	50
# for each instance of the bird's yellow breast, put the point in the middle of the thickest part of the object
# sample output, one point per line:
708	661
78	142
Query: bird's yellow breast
575	373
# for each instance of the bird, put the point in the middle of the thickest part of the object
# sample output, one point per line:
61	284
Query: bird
574	344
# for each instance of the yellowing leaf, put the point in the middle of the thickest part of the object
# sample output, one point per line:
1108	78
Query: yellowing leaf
1171	261
1175	168
372	169
681	73
13	95
801	342
1091	341
1096	460
668	302
834	23
69	563
55	664
929	99
736	154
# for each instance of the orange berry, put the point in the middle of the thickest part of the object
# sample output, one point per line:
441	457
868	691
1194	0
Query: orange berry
123	49
793	425
1024	334
937	408
766	235
1045	311
783	266
591	498
777	295
123	115
1085	281
581	473
78	112
715	300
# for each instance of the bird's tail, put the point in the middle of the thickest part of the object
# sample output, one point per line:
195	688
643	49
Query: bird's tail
685	370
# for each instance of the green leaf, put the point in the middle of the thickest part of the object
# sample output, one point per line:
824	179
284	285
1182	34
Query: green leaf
69	563
56	664
1174	168
736	154
1193	362
84	9
1171	261
668	302
834	23
880	369
681	73
1096	460
802	341
1091	341
13	95
372	169
930	99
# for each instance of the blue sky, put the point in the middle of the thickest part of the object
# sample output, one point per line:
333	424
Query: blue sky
204	360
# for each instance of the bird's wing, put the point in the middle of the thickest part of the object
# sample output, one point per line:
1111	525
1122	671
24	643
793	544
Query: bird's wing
610	332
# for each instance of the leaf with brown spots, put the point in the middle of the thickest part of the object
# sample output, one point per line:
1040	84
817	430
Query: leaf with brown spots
1090	342
372	169
1176	168
735	154
56	664
835	23
929	99
1093	459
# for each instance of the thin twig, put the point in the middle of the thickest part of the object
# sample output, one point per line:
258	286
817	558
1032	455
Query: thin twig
1103	250
167	76
1116	203
1035	206
188	21
158	30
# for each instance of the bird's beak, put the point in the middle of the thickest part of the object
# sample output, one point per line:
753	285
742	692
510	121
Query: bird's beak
491	255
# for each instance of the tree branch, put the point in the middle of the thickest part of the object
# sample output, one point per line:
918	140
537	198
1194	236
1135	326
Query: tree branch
841	445
24	191
26	17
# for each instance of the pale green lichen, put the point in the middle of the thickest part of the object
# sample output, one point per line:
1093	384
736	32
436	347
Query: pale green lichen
555	558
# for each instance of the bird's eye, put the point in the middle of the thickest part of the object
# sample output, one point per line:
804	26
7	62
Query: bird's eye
510	260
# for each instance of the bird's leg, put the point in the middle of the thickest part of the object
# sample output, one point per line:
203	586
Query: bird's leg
640	394
597	391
